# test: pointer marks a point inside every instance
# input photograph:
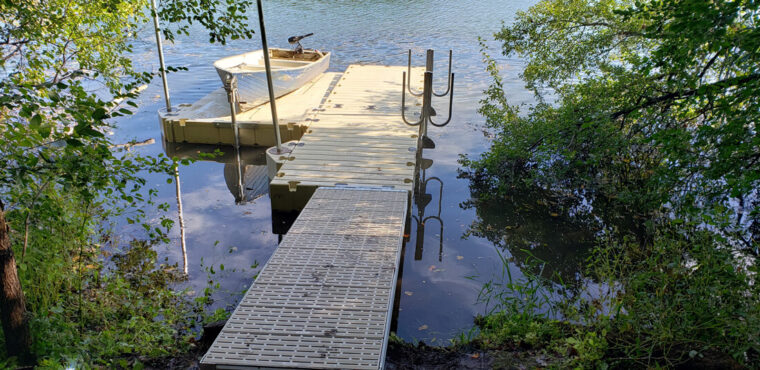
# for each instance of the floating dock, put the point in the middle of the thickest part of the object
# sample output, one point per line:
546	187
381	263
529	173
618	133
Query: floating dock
207	121
324	299
357	138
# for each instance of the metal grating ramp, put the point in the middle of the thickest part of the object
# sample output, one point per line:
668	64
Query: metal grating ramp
324	299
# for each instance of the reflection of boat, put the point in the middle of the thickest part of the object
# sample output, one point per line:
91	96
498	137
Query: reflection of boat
290	70
246	185
254	182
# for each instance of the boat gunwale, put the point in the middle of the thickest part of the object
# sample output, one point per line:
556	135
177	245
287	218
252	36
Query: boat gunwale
309	64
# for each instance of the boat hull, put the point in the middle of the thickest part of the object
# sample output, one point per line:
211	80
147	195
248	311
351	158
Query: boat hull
287	74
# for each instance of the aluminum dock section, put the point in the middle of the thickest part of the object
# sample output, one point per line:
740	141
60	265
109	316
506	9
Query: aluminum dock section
324	299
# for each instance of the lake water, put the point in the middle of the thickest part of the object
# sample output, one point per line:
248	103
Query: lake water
444	271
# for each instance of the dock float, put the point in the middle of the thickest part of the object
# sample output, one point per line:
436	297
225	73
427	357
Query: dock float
325	297
208	121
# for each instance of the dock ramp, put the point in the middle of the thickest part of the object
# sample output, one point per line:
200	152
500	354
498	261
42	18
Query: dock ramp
325	297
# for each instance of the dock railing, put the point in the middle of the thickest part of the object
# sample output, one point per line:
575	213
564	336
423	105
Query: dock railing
427	112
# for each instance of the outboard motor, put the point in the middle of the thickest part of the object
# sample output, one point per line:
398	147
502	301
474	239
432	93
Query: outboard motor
296	40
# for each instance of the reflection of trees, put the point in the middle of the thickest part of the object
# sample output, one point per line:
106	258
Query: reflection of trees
538	224
557	226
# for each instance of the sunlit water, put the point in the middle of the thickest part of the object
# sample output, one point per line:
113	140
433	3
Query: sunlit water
440	281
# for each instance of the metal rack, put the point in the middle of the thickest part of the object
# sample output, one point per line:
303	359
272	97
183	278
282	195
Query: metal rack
427	112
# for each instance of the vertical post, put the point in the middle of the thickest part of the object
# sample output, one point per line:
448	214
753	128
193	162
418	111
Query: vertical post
161	55
427	107
268	68
231	87
427	92
429	61
239	169
167	99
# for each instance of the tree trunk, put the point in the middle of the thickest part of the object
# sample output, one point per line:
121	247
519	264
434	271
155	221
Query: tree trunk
12	307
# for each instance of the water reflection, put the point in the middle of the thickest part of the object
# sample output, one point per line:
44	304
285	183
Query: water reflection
245	170
417	219
536	225
421	200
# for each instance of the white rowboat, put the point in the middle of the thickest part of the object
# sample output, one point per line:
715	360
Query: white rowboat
290	70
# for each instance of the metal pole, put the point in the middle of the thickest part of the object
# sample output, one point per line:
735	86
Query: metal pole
268	67
231	87
427	107
239	168
180	212
429	61
427	91
161	55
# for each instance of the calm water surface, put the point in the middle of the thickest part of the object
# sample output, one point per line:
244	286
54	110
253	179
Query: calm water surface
443	270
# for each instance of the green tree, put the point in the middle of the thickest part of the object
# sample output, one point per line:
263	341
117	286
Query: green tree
645	119
66	72
649	103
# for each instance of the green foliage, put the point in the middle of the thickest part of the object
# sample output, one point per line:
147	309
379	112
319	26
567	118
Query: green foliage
66	73
223	20
522	311
526	297
93	300
587	348
503	328
682	299
646	112
650	103
683	296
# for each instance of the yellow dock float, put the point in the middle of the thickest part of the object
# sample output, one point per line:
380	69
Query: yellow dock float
208	121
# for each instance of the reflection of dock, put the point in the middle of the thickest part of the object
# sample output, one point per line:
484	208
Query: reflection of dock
325	298
245	170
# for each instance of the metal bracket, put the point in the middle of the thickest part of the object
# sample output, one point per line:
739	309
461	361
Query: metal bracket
427	111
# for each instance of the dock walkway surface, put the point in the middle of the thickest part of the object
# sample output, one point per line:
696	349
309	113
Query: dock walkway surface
357	138
324	299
